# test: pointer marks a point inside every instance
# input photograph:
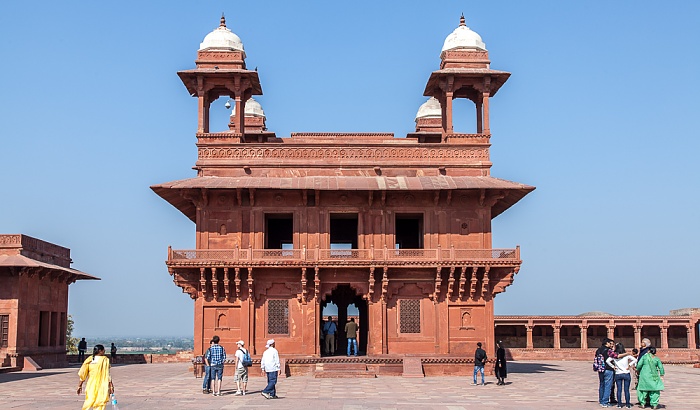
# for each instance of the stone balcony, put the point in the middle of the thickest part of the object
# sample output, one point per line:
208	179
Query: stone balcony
343	257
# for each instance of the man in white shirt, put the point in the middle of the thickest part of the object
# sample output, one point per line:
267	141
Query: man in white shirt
241	376
270	365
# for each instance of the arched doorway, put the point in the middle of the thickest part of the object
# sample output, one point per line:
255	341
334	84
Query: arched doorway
349	305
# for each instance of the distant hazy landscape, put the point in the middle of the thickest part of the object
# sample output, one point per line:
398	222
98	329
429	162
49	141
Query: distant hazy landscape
153	345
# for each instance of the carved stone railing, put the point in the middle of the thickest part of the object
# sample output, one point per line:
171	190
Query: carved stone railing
370	255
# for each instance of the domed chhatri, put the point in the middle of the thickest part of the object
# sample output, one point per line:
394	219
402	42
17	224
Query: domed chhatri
463	37
222	38
429	109
252	109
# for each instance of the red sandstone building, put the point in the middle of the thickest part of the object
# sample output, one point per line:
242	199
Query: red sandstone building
399	227
34	279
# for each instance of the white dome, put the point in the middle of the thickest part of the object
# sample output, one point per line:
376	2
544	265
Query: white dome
430	109
463	37
222	38
252	109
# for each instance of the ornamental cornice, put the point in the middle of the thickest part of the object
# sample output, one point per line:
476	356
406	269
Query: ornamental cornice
335	264
344	153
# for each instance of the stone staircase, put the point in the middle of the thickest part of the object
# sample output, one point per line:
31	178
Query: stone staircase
343	370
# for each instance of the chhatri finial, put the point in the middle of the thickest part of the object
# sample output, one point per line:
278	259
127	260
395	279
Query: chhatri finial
461	21
223	21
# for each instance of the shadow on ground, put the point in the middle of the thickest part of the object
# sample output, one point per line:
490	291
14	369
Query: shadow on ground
18	376
515	367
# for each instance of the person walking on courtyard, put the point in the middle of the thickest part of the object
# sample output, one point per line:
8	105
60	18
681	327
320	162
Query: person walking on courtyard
622	376
500	367
241	376
82	348
651	379
113	353
329	330
99	383
479	362
606	373
351	334
270	365
216	355
206	383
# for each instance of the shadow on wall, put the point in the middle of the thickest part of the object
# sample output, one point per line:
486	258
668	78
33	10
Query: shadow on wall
515	367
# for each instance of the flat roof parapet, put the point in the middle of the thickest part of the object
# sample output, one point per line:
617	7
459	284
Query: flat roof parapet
18	244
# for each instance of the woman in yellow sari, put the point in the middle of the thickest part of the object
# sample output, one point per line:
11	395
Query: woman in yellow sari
99	383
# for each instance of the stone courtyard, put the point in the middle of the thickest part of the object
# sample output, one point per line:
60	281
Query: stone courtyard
543	385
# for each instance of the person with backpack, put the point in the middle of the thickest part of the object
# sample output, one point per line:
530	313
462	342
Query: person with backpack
606	372
479	362
243	361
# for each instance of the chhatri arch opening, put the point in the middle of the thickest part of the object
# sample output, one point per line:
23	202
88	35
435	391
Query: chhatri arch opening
343	303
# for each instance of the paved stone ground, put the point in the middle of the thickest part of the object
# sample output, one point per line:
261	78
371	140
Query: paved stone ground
570	385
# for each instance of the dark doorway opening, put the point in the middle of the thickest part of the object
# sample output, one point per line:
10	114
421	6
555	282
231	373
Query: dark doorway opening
409	231
349	305
279	231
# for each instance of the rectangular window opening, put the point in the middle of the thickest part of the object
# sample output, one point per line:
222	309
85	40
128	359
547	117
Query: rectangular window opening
409	231
343	234
409	316
44	320
279	231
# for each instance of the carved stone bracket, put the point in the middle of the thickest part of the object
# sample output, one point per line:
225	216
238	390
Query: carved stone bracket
215	283
203	281
302	296
472	288
237	282
317	282
385	283
485	283
438	284
451	283
227	290
370	291
250	284
462	282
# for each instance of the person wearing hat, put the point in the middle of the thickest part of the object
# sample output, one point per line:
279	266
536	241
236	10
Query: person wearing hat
270	365
241	375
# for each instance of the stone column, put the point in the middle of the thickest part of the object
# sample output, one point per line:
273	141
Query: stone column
611	330
240	113
449	127
584	337
479	117
556	330
664	335
529	344
637	335
691	336
487	127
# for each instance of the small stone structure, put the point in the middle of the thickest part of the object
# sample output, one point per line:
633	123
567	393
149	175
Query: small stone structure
34	279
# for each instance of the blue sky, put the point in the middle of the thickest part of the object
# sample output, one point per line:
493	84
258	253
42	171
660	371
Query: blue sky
600	114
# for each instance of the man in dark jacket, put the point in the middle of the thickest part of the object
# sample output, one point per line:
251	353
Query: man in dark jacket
605	379
479	361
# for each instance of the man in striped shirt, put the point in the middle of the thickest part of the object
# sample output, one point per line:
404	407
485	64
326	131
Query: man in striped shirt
216	356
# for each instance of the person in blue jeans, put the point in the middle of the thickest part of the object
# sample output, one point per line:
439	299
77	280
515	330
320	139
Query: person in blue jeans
216	357
622	374
351	334
479	362
206	383
270	366
605	379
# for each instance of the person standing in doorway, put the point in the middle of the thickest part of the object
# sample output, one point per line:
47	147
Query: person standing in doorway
216	356
351	334
479	362
500	367
329	330
82	348
113	353
270	365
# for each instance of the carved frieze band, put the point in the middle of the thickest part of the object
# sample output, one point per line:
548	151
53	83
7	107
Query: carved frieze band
480	153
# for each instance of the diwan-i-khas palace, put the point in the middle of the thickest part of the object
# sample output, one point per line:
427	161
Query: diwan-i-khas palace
399	227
